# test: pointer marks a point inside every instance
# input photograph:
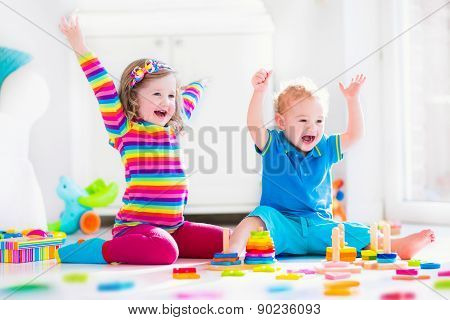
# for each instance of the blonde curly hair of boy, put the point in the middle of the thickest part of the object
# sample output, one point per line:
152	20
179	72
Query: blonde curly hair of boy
296	90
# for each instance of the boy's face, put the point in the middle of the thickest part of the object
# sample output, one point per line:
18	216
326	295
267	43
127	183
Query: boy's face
157	99
303	123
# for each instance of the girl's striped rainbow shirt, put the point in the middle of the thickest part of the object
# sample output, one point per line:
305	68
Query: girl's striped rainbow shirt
156	191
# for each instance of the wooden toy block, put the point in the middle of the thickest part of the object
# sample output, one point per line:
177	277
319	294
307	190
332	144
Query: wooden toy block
289	276
225	263
259	261
369	258
341	236
351	268
335	238
335	264
408	272
368	253
75	277
398	295
391	255
229	255
304	271
341	284
255	251
264	268
226	240
212	267
381	261
279	288
259	234
338	292
406	277
115	286
184	270
30	242
386	238
374	237
414	263
185	276
233	273
337	275
253	247
225	259
445	273
429	265
442	284
30	254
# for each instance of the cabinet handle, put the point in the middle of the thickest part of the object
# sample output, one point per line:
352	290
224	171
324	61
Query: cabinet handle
178	42
159	42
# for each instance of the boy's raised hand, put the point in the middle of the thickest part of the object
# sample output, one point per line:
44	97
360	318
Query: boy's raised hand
71	29
260	80
352	91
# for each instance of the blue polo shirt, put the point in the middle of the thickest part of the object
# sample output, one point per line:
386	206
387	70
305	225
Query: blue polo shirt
298	184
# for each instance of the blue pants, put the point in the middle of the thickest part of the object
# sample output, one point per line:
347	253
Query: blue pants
310	234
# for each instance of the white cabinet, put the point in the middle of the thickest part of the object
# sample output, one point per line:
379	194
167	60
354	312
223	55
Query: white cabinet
218	153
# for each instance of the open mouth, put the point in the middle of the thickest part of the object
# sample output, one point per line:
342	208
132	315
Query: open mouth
308	139
160	113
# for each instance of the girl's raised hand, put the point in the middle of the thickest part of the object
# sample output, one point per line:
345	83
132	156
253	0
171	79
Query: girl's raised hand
71	29
260	80
352	91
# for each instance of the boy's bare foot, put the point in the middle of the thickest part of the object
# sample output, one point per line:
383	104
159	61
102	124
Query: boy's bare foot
408	246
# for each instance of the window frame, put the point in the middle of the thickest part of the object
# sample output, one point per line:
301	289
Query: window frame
393	109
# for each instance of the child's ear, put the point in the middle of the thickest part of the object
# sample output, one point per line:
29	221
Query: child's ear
279	119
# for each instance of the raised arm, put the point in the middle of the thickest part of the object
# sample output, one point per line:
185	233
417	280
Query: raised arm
191	95
113	115
255	122
355	126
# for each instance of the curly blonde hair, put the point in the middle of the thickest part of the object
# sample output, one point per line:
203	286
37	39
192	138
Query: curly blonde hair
297	90
129	95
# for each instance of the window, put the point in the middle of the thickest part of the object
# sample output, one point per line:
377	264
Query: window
416	112
427	103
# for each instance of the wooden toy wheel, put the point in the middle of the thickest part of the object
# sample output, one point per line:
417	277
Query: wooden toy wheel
90	222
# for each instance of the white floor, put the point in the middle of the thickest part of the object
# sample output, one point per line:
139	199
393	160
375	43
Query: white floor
155	282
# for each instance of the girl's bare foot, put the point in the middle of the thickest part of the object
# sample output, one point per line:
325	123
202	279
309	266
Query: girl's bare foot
408	246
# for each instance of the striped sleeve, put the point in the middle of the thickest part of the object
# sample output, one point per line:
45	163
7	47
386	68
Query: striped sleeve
191	95
111	109
334	149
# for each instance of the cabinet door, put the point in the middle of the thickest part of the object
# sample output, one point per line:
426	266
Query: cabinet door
92	156
219	153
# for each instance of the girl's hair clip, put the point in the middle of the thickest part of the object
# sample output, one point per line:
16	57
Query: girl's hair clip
151	66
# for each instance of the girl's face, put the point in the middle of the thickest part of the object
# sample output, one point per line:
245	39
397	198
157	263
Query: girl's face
157	99
303	124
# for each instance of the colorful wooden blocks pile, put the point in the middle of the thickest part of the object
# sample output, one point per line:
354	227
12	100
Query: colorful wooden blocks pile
346	254
29	249
185	273
260	248
225	259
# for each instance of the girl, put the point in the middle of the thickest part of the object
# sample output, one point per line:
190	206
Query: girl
143	121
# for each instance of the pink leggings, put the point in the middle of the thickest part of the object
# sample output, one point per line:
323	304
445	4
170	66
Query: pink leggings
146	244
